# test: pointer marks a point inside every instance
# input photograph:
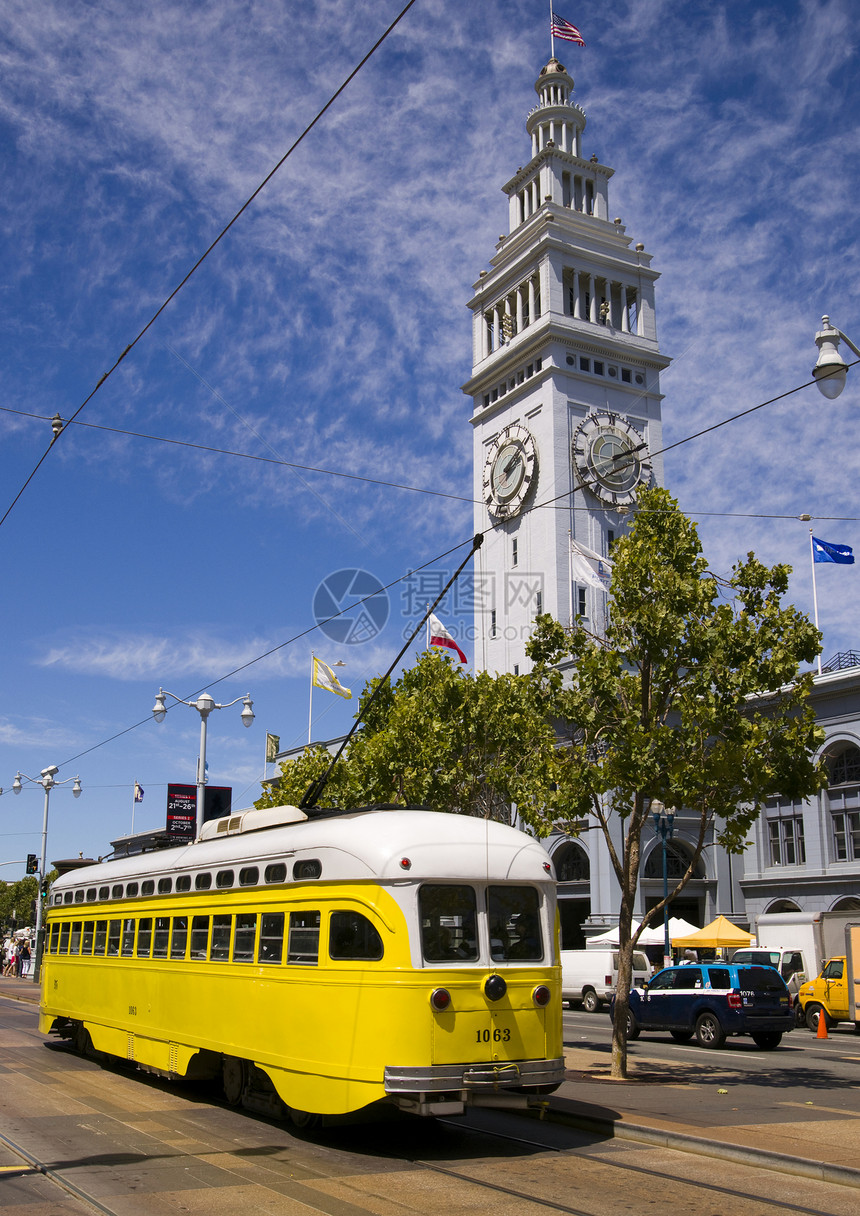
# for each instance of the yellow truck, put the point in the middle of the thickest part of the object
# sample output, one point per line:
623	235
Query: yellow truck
835	993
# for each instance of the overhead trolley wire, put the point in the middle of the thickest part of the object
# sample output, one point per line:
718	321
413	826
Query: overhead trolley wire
106	375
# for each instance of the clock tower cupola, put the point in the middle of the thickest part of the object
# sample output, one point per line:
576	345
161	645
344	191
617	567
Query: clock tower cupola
565	387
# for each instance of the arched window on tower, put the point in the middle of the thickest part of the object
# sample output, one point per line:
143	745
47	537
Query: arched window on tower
677	861
843	796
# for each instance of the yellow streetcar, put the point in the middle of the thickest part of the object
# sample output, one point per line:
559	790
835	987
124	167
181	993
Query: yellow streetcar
323	960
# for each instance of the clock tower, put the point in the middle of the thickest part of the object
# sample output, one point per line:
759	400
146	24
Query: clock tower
565	387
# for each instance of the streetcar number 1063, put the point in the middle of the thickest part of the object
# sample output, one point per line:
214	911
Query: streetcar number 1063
497	1036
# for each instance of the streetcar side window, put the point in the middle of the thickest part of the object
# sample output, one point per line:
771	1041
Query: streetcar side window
64	937
87	939
179	937
449	922
352	936
91	895
67	897
224	878
55	938
161	937
245	937
144	937
101	937
75	944
220	937
131	889
515	932
147	887
203	882
117	891
183	882
104	892
165	886
199	936
271	937
307	869
128	936
114	936
276	872
249	876
304	940
79	896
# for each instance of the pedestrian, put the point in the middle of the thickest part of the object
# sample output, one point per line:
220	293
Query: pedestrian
23	958
11	959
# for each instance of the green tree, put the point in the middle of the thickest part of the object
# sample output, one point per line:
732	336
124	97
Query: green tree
692	698
444	738
17	903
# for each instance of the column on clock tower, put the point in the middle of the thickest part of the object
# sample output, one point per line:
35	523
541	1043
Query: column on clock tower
565	387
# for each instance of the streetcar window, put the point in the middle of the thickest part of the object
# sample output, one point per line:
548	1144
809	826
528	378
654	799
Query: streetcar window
128	936
68	897
104	892
307	869
276	872
245	938
75	943
79	896
101	937
183	882
224	878
55	938
64	937
271	937
58	898
165	886
87	939
147	887
304	942
131	889
116	893
515	932
144	937
449	922
179	937
161	937
91	895
249	876
199	936
351	935
113	936
220	948
203	882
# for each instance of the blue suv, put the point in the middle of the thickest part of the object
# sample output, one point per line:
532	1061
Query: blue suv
711	1001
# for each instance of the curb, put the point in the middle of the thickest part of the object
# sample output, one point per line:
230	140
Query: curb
820	1171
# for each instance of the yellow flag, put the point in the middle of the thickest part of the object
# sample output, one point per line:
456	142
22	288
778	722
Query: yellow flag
325	678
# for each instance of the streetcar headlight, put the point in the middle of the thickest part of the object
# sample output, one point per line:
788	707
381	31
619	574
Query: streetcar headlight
440	998
541	995
495	988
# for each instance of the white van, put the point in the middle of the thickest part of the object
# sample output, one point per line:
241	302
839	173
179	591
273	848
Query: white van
590	976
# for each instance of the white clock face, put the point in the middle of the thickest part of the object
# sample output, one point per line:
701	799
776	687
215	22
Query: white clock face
509	471
611	458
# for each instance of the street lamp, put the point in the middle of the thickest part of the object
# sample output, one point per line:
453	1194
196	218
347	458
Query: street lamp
831	370
664	823
47	782
204	706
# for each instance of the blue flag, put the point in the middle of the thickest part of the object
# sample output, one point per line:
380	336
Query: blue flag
823	551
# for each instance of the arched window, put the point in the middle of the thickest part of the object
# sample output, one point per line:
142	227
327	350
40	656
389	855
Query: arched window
843	795
848	903
782	905
571	863
677	861
844	767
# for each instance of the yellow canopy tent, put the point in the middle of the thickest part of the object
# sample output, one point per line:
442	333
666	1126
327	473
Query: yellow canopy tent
719	933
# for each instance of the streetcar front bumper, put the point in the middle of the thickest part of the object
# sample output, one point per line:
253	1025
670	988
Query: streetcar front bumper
450	1088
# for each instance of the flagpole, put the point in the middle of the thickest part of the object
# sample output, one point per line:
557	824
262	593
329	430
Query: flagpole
551	35
814	591
311	699
427	643
133	792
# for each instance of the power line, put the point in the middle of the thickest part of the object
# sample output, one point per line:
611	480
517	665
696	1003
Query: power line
106	375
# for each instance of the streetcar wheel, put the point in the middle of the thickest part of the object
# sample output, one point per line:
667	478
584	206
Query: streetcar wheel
82	1042
303	1119
767	1039
234	1078
681	1036
709	1032
813	1013
590	1001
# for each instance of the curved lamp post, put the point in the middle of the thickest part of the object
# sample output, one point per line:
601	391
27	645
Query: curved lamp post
664	825
831	370
47	782
204	706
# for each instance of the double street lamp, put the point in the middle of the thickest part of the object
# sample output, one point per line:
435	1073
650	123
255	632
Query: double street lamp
47	782
204	706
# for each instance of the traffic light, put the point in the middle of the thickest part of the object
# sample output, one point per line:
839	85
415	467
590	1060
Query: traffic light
32	863
45	887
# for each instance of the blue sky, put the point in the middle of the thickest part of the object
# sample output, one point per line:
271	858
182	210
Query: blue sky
329	329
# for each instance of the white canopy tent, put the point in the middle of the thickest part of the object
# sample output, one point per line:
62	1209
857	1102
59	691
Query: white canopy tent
654	935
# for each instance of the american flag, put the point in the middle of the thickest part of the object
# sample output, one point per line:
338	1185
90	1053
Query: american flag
559	28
